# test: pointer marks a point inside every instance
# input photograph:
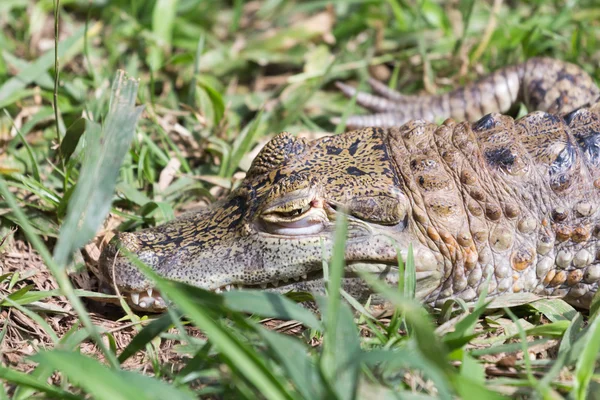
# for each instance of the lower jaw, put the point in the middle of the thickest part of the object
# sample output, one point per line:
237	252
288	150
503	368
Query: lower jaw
352	284
315	283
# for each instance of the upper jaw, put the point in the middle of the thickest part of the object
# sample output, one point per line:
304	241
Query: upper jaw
256	260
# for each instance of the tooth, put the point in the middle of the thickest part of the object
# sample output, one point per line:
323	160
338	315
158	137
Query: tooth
296	278
304	276
218	290
263	285
149	291
275	283
160	302
146	302
285	279
228	287
135	297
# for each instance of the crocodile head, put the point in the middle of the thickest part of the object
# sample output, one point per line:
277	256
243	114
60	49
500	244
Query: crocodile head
275	229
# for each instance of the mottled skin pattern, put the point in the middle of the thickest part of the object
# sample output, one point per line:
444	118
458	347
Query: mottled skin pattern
515	202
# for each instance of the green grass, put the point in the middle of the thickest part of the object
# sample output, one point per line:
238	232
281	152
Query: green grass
215	80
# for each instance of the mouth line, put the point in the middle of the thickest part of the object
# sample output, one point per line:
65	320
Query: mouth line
151	299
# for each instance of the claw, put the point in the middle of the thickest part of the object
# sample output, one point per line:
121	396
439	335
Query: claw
367	100
384	90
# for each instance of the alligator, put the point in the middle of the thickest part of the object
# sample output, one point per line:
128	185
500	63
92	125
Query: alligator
505	205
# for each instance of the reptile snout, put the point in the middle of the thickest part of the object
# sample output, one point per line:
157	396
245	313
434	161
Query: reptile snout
117	269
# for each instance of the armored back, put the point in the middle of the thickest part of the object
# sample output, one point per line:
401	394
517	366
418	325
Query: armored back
517	200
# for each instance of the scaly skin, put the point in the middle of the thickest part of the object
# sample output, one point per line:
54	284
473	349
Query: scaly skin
542	84
513	201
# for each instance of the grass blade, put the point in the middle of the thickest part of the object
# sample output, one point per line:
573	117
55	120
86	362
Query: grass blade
240	356
106	149
59	273
66	50
334	279
25	380
299	366
243	142
587	361
106	383
145	336
270	305
163	18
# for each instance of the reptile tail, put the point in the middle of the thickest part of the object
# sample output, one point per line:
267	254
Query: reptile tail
541	84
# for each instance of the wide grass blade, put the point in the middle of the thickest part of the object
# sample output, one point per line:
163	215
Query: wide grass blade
343	351
200	306
104	383
297	363
163	19
26	380
334	280
271	305
587	361
105	151
417	317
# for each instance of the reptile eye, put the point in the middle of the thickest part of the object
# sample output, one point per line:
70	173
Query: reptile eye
293	213
305	220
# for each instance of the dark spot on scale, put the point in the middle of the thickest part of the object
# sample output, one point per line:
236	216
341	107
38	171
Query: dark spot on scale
332	150
554	119
355	171
560	182
565	160
278	176
502	158
565	75
260	184
590	146
354	147
486	122
379	131
572	115
236	208
380	146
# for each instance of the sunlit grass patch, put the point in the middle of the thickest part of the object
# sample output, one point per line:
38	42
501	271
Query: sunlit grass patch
216	79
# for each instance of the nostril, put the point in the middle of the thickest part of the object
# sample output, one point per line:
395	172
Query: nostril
110	253
127	240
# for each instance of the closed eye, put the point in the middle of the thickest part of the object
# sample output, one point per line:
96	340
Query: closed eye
299	221
293	213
